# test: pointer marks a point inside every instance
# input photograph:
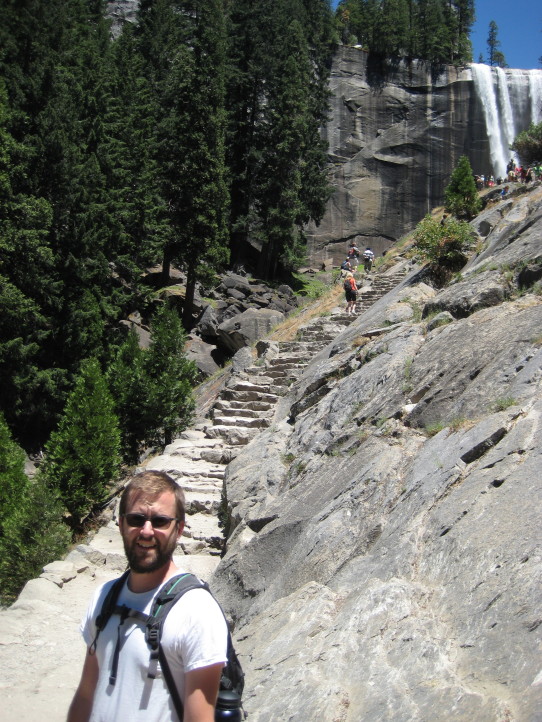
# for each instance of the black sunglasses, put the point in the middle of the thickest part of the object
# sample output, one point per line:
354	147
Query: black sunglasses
159	521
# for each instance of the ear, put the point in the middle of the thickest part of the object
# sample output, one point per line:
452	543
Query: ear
180	528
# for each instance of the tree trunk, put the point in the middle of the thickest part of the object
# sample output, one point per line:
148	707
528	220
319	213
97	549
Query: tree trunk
189	298
167	257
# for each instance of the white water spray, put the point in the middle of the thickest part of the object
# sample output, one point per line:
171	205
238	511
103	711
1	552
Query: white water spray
535	95
511	100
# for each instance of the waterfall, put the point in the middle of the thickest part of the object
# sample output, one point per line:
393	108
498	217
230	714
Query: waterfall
535	95
511	100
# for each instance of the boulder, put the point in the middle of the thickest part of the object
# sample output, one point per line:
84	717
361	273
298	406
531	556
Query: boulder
203	354
465	297
246	328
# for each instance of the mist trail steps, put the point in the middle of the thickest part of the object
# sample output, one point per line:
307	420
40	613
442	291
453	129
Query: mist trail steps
242	409
247	404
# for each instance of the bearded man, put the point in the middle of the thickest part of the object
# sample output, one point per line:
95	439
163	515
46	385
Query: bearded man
115	685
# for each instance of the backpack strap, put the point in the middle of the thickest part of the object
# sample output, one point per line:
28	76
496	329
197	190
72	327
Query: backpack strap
108	608
170	593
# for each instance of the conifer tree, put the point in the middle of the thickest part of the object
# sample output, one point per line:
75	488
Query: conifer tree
461	194
82	455
191	148
259	83
170	377
494	55
31	529
129	387
287	109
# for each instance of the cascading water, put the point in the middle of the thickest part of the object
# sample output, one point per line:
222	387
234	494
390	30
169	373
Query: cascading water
511	100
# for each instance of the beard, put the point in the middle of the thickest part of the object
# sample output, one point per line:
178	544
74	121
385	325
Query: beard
145	560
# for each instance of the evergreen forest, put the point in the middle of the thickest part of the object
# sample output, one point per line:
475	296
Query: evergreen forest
437	31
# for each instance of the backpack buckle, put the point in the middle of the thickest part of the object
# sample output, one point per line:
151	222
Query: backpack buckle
152	636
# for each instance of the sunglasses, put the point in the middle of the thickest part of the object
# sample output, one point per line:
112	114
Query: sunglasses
158	521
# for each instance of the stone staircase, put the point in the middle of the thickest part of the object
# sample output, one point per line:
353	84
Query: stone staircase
243	407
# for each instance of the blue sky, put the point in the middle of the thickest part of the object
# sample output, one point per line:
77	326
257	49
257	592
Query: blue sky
520	30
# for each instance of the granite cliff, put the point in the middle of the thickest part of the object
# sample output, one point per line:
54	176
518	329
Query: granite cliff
396	131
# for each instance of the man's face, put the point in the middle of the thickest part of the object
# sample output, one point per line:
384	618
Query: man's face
148	548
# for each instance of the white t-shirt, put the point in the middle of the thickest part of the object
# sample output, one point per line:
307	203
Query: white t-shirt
194	636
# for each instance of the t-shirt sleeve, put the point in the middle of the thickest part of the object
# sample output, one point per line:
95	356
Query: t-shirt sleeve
88	623
199	629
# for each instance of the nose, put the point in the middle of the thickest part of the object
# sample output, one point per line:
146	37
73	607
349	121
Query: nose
147	528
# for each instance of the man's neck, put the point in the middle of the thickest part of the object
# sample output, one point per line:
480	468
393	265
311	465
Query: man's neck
138	582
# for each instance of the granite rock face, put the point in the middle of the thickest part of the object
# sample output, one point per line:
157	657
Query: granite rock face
396	132
385	561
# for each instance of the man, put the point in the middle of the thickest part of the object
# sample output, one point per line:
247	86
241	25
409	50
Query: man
194	638
368	258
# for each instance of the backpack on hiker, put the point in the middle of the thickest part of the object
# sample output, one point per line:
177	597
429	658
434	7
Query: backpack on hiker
232	680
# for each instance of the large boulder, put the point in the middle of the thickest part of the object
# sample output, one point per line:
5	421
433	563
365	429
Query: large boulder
247	328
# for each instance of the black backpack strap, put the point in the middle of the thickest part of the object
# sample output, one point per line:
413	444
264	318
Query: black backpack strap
170	593
108	608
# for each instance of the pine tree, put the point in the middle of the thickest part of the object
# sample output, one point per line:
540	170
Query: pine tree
287	110
392	29
130	389
461	194
494	55
31	529
27	290
82	456
170	377
191	149
259	84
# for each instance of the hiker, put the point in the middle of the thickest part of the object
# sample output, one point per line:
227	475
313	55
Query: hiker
368	258
353	256
351	293
117	681
346	266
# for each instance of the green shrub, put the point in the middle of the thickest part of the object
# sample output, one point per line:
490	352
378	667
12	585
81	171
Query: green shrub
443	245
504	403
35	535
528	144
32	532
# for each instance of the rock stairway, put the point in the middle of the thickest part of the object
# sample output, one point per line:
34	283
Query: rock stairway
378	288
244	407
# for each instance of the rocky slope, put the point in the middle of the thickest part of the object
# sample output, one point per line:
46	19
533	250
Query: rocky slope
386	559
384	556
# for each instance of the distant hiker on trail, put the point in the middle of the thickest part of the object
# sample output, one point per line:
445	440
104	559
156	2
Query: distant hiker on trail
346	266
353	256
120	679
351	293
368	258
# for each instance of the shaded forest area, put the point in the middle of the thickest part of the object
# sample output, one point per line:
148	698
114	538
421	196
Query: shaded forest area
194	131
